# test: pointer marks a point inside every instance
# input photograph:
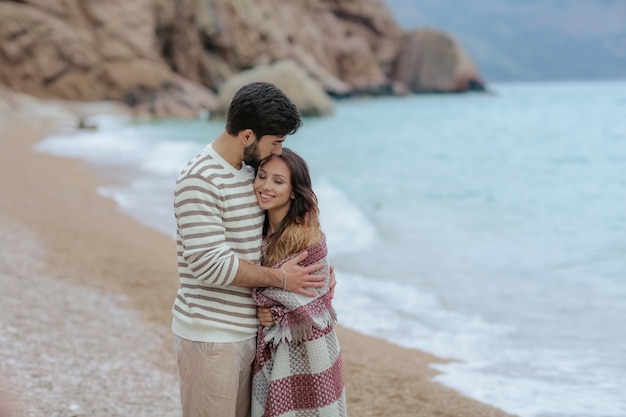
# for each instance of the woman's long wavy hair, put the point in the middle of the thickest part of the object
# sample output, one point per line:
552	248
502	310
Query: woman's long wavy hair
300	229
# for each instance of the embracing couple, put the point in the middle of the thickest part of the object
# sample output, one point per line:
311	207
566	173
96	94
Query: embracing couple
252	319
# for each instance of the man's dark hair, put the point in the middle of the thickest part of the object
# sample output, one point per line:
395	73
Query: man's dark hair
263	108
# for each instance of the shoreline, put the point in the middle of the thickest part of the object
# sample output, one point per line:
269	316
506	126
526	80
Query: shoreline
89	245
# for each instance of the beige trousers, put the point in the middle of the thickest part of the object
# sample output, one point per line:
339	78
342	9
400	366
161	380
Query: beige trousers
215	378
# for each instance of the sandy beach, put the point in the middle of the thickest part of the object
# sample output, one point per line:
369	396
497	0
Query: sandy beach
87	292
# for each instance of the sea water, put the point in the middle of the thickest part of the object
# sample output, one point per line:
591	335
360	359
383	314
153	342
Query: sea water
489	229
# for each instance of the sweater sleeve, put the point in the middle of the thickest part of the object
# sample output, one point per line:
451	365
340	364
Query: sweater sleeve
199	208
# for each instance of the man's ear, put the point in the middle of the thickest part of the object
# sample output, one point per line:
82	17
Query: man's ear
247	137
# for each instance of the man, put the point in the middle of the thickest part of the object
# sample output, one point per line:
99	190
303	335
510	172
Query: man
219	229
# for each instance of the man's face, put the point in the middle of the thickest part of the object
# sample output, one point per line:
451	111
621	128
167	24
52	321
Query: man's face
262	148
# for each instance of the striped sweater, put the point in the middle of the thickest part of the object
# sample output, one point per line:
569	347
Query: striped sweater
218	222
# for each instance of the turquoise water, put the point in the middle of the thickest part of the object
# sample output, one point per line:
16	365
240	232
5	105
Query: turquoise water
488	228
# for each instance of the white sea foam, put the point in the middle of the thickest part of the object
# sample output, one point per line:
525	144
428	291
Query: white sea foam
346	227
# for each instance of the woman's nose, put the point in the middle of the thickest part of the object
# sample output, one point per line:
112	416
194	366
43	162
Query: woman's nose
264	185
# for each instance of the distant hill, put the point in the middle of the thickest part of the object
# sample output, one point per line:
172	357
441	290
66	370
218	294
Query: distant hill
529	39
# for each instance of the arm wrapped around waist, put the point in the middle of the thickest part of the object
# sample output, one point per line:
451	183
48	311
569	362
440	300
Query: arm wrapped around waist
296	316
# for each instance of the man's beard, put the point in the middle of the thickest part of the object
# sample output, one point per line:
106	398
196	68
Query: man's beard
251	156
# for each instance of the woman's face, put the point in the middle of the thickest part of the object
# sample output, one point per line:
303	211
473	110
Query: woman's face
272	185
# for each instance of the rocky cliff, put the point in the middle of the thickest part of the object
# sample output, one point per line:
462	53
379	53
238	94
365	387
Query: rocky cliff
169	57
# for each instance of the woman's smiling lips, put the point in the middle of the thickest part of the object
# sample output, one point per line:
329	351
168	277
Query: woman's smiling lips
265	197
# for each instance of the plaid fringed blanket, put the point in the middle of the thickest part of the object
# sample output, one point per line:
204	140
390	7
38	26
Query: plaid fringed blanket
298	370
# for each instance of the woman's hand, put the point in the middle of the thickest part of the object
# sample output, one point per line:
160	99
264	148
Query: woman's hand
265	316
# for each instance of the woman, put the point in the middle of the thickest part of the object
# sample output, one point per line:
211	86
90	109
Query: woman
298	364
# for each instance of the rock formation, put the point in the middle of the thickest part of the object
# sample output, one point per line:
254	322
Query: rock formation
169	57
91	50
432	61
306	94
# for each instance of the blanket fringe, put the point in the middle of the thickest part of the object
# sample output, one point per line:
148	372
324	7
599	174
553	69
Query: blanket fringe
293	334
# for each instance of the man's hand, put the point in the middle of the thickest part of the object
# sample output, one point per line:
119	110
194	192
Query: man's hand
265	316
300	278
